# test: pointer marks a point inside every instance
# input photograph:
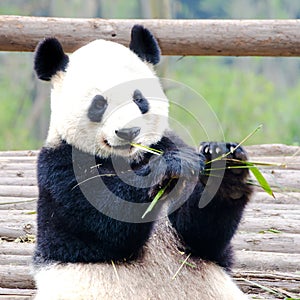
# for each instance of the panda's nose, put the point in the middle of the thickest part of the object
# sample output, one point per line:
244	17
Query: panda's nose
128	134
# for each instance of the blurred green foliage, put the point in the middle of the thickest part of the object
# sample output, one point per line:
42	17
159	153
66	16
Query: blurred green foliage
241	100
16	103
13	115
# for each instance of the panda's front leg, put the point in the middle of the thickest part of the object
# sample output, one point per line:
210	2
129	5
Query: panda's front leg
178	161
207	221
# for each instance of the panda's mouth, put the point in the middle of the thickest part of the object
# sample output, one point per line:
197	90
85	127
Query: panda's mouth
119	147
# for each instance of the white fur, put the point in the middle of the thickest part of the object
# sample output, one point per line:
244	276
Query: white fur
149	277
113	71
133	281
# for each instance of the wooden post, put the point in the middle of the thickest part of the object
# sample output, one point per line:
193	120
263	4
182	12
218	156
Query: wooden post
176	37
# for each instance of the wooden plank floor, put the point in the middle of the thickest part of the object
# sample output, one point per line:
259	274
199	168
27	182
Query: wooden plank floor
267	244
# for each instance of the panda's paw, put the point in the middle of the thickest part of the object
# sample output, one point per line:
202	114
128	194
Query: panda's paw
224	156
213	150
226	161
185	164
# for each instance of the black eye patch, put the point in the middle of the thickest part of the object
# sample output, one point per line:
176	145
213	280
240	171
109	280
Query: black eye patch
97	108
141	101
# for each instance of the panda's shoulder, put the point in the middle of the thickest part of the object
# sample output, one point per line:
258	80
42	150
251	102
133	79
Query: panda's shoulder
172	140
55	155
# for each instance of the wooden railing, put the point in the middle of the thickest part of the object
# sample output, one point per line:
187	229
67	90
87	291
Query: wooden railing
176	37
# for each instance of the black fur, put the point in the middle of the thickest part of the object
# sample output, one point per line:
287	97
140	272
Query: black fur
49	59
144	44
70	229
141	101
207	232
97	108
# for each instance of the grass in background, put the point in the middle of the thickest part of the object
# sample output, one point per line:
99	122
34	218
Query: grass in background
241	99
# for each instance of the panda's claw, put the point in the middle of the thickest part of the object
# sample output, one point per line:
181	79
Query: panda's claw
184	163
224	159
213	150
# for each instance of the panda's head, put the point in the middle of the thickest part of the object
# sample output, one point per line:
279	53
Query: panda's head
104	96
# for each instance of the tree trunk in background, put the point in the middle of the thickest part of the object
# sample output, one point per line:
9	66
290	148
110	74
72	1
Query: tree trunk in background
38	119
98	9
157	9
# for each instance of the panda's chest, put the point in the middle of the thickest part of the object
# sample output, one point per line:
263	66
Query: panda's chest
112	180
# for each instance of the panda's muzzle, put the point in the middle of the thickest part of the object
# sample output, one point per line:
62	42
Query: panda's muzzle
128	134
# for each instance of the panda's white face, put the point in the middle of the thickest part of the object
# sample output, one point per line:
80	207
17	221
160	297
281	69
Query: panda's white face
106	99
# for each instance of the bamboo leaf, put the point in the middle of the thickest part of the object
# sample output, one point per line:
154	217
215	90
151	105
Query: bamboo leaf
18	202
31	213
147	149
238	145
259	163
274	230
115	270
181	266
265	288
247	137
91	178
187	263
260	178
271	230
155	200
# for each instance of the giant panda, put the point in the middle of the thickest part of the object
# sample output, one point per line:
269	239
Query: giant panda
94	184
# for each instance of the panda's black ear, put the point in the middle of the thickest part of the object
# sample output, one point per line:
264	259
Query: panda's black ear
49	59
144	44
